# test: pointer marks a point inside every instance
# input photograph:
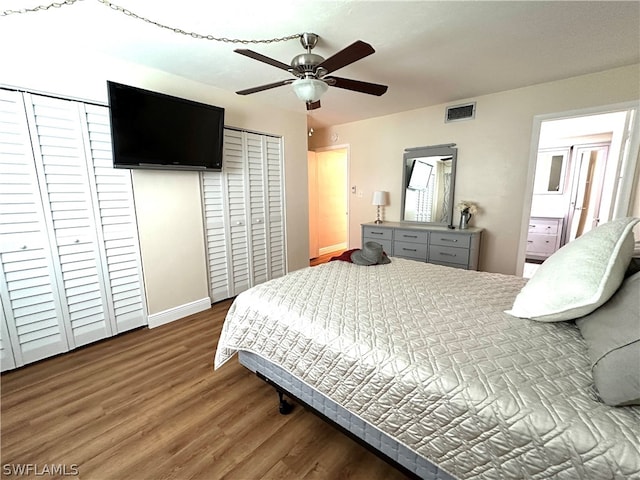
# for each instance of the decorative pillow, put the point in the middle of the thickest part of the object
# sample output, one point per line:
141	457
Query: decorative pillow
580	276
612	333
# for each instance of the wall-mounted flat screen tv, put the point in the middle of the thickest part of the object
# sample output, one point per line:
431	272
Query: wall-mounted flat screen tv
154	130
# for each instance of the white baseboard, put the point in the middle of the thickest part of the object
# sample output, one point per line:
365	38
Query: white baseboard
176	313
332	248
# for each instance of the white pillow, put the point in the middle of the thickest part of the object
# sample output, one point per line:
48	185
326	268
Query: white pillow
579	277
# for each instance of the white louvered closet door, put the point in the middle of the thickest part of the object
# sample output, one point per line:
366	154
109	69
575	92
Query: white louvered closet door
255	174
58	145
71	270
244	215
274	198
233	188
113	205
216	235
31	305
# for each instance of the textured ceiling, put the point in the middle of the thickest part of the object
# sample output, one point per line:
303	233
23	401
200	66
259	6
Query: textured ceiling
428	53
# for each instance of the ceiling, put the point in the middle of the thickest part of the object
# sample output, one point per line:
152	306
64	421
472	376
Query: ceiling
427	52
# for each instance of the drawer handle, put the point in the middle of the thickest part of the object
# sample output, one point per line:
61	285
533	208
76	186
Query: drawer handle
377	233
529	241
454	240
409	236
409	249
532	226
448	254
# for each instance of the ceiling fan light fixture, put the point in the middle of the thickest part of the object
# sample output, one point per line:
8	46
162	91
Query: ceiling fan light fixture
309	90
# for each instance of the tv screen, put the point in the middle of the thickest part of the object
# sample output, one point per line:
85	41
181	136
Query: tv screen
154	130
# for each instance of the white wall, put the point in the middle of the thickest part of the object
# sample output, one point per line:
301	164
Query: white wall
493	153
168	203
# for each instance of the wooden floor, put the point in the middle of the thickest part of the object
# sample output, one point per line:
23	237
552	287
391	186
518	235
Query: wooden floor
148	405
324	258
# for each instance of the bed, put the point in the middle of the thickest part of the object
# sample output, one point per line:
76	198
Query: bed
422	362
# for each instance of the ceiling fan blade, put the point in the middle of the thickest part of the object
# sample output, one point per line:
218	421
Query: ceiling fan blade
313	105
264	87
344	57
262	58
356	85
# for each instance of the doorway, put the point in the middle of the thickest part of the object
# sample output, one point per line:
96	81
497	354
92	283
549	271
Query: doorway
581	173
328	201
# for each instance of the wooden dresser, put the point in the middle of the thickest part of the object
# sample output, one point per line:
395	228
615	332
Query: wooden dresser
431	244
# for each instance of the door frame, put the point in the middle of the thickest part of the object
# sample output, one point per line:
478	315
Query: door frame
345	147
629	163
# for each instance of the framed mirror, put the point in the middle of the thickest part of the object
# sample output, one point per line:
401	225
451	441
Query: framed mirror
551	170
428	180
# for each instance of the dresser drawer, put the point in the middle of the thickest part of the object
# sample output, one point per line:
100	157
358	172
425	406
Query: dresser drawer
376	233
539	243
386	244
548	226
416	251
450	240
411	236
441	254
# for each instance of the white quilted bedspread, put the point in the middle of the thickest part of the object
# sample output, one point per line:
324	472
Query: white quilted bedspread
426	354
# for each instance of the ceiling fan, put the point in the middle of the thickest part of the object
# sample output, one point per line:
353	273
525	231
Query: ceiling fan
312	71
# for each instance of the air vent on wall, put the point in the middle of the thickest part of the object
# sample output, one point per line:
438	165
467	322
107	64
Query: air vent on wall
456	113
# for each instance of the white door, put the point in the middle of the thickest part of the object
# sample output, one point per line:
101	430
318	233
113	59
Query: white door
274	184
215	231
236	211
244	215
586	194
119	247
32	308
71	270
255	199
58	146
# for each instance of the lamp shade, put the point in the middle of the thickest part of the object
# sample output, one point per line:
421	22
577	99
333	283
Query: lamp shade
309	89
379	198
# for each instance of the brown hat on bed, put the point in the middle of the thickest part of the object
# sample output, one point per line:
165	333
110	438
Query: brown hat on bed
370	254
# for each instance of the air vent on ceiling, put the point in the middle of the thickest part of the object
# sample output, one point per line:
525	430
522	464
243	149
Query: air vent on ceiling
460	112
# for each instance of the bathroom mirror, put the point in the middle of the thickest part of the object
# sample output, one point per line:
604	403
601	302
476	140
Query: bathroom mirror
550	171
428	179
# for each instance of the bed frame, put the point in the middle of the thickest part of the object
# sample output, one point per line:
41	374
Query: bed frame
378	442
